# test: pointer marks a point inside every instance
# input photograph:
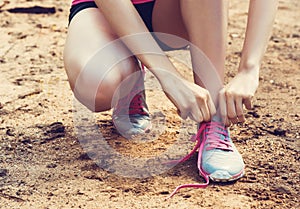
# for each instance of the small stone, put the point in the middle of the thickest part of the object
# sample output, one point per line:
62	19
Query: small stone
164	192
277	39
283	189
9	132
52	165
254	114
295	35
118	143
234	35
56	127
3	172
26	141
79	192
268	115
279	132
187	196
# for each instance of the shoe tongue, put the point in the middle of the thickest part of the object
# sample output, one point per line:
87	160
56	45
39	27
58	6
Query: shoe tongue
216	118
218	130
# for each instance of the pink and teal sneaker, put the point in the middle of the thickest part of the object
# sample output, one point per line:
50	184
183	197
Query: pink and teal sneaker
218	158
131	115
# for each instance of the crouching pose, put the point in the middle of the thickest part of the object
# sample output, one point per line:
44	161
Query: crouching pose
96	67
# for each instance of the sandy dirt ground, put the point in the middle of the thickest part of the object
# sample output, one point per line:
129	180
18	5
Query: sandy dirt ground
44	165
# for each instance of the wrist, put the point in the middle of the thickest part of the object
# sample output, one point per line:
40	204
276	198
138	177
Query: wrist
166	71
251	68
166	77
252	75
249	65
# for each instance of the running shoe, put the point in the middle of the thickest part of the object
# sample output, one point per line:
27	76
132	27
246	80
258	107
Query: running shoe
131	115
218	158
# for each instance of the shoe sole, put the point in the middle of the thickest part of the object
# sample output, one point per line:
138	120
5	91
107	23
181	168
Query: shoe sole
224	176
136	131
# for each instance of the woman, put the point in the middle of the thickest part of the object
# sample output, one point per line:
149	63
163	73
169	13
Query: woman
95	71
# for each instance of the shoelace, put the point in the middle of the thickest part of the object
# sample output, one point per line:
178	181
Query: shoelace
206	135
214	130
136	105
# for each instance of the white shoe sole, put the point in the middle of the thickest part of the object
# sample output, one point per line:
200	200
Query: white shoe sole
224	176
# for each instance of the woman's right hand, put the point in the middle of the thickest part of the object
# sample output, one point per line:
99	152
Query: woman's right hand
190	99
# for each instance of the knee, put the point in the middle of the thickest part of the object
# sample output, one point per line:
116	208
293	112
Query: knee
105	93
117	83
96	95
94	85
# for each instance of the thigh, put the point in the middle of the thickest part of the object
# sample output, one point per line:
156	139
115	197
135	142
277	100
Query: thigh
91	42
95	61
166	18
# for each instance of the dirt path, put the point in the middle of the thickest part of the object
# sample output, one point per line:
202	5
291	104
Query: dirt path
43	165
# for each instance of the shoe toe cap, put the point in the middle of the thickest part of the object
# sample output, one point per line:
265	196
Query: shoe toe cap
133	125
227	163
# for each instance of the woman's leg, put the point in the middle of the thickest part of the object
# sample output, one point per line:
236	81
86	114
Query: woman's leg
167	18
204	24
93	65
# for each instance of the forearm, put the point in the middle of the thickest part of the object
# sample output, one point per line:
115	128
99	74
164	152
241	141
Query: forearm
261	16
127	24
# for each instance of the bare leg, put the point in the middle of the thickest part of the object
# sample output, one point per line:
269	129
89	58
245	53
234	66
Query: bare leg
167	19
204	23
93	66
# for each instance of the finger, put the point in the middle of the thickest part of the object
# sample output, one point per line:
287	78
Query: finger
227	122
205	112
223	107
239	109
211	107
195	114
231	108
247	103
196	117
203	106
182	114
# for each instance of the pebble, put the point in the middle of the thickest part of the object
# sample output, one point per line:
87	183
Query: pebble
3	172
164	192
254	114
234	35
295	35
279	132
52	165
9	132
56	127
283	189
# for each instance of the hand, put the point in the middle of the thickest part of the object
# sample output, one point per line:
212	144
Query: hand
238	92
190	99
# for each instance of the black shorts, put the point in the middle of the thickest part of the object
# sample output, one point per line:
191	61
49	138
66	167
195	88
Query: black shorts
145	10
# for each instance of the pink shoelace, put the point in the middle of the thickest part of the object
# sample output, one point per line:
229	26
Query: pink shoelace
208	134
135	107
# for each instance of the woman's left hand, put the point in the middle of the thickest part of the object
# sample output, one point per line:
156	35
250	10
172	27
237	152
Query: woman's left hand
238	92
